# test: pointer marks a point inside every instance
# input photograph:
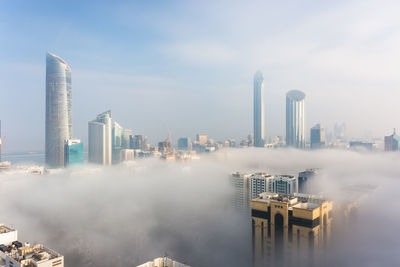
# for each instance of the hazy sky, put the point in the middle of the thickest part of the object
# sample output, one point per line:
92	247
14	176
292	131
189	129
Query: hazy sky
187	66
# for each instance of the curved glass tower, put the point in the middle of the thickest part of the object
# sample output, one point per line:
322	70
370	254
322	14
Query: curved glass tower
295	119
258	109
58	109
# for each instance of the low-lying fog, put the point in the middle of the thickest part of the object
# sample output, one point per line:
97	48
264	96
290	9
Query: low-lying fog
128	214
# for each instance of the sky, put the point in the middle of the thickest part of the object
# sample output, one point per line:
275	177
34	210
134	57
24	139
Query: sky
128	214
186	67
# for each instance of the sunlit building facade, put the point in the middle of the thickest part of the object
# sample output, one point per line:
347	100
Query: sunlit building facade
58	109
289	230
100	139
295	119
258	110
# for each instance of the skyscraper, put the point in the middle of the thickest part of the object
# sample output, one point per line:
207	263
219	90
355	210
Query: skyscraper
73	152
317	136
100	139
392	142
295	119
258	110
58	109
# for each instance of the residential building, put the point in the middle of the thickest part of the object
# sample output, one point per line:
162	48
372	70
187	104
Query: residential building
260	183
241	194
295	119
289	229
283	184
58	109
73	152
258	110
201	139
100	139
317	137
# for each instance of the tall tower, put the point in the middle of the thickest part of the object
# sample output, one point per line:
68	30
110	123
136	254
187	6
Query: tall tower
58	109
100	139
258	109
295	119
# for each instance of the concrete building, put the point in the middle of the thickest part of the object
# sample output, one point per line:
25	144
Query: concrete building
289	229
100	139
16	254
73	152
58	109
163	262
283	184
259	137
392	142
295	119
317	137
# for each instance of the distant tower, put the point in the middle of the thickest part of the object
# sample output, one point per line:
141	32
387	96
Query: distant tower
58	109
295	119
100	139
317	136
258	109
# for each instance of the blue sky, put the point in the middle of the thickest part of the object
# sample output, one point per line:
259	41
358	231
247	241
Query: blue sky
186	66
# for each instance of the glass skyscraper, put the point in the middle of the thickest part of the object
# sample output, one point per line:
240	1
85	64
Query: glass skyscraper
295	119
58	109
100	139
73	152
258	109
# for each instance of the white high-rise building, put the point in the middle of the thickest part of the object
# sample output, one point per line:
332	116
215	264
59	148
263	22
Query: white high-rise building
258	110
100	139
58	109
295	119
284	184
259	183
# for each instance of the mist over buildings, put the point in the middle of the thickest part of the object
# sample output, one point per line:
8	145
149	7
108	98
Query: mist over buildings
126	214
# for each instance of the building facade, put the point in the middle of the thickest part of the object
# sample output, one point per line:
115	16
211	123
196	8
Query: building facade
283	184
289	230
259	183
295	119
100	139
317	137
58	109
304	181
259	137
73	152
184	143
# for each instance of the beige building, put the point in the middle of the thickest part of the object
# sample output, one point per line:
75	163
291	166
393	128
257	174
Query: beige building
163	262
289	229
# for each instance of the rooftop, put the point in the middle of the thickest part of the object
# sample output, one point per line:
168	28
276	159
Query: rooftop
295	95
28	254
300	201
4	229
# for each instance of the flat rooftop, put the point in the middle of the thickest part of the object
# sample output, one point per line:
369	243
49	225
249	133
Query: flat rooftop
4	229
26	253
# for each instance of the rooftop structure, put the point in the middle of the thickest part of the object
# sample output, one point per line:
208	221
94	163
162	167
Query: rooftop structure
163	262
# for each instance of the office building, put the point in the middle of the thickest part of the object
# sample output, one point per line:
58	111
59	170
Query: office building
117	136
283	184
317	137
163	262
295	119
392	142
289	229
16	254
184	143
100	139
305	181
201	139
73	152
58	109
127	154
259	138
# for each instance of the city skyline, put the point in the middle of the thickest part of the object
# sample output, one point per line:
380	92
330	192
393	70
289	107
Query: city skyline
153	64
